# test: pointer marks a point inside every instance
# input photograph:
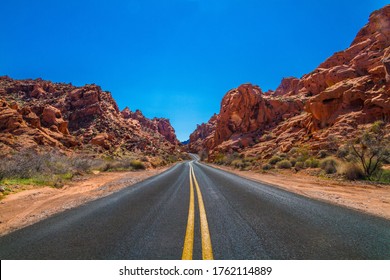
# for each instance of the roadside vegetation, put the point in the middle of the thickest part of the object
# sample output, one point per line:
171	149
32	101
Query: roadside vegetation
50	168
365	157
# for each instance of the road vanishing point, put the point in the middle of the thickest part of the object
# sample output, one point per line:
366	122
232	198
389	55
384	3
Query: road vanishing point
194	211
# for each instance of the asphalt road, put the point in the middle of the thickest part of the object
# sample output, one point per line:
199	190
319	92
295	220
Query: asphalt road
194	211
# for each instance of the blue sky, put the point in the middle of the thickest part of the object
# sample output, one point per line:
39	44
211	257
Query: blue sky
174	58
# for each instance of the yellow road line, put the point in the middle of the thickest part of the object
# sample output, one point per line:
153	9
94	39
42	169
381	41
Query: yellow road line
207	249
189	238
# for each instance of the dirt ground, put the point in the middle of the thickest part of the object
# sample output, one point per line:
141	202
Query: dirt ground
30	206
370	198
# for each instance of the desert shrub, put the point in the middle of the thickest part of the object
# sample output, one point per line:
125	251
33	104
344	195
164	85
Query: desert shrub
220	159
311	163
84	165
45	168
371	149
300	153
250	159
322	154
239	163
385	176
267	166
329	165
171	158
352	171
274	160
342	152
299	165
293	161
28	164
315	163
293	151
282	155
284	164
137	164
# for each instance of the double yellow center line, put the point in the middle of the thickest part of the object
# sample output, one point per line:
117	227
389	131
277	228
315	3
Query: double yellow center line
207	250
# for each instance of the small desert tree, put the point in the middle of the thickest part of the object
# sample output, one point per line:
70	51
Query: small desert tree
371	149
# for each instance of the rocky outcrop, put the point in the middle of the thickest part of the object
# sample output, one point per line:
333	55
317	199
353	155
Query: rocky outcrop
21	128
52	118
288	86
203	136
354	80
247	110
165	129
349	89
156	125
38	114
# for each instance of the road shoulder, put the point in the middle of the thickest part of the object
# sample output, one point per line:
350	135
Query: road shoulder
30	206
373	199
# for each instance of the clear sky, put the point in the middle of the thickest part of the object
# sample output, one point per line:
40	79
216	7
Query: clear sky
174	58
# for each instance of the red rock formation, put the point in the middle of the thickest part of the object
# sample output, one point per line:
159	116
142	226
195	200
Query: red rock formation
203	136
39	113
354	79
246	110
165	129
156	125
350	88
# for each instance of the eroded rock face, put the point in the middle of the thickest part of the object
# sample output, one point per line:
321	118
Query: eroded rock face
288	86
10	119
39	113
352	80
156	125
203	136
52	116
247	110
165	129
350	88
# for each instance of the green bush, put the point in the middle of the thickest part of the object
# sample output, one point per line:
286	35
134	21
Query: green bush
220	159
293	151
299	165
301	153
267	166
371	149
329	165
293	161
282	155
137	165
311	163
274	160
385	176
284	164
238	163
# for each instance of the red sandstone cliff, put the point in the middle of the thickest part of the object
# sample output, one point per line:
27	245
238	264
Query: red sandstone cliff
351	88
39	114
